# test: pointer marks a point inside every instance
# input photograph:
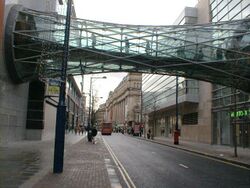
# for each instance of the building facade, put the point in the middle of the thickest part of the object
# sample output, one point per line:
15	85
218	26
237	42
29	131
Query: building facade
123	105
22	106
100	115
75	105
231	107
194	106
211	117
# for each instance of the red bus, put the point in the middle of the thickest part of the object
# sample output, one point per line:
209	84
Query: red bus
106	128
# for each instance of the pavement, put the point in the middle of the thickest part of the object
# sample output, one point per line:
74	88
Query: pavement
29	164
19	161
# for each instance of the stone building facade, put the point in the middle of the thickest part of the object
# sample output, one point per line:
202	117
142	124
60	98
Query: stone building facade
100	115
123	105
20	103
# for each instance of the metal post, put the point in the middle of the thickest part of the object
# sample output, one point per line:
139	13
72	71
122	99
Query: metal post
90	98
176	99
235	124
141	120
82	104
156	40
176	132
121	40
61	109
92	110
89	116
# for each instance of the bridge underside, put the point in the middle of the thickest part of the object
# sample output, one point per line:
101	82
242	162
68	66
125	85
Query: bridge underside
218	52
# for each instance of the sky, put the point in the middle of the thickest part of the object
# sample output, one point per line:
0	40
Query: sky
138	12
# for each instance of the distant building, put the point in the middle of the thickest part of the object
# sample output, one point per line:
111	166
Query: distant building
124	103
100	114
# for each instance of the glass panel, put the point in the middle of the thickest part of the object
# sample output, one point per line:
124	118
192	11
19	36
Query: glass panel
246	12
245	3
225	127
222	13
213	5
232	4
106	47
222	4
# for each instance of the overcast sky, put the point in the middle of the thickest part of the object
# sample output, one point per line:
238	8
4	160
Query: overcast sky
139	12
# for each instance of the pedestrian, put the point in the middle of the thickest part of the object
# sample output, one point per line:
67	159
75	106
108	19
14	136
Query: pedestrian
94	133
149	134
82	129
93	38
199	55
141	130
162	131
147	48
126	45
219	53
75	129
181	52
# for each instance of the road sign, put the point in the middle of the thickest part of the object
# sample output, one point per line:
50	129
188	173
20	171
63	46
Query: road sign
54	82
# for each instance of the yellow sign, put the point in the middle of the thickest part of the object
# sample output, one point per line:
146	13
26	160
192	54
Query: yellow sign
53	90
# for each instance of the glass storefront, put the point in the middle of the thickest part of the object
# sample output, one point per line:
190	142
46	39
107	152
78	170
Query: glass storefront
223	130
223	97
159	100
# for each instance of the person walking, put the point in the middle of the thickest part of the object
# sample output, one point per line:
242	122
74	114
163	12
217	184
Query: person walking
149	134
126	45
93	38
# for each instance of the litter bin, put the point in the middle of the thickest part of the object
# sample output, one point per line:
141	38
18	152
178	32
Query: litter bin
176	136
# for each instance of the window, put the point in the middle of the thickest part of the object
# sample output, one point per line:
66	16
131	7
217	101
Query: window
190	119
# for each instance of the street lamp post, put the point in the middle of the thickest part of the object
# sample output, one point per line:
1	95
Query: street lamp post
90	99
154	118
176	132
141	114
61	109
93	114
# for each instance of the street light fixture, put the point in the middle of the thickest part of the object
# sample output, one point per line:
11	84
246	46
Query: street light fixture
90	99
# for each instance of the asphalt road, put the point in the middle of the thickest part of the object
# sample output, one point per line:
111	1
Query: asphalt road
152	165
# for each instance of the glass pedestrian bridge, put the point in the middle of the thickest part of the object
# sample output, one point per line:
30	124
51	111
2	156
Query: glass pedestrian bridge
214	52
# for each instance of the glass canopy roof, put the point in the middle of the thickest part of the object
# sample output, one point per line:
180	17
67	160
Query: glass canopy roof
214	52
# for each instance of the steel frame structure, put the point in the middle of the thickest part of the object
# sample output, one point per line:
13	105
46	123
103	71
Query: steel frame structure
214	52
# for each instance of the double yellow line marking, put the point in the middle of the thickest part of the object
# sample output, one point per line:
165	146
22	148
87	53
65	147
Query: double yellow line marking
124	174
